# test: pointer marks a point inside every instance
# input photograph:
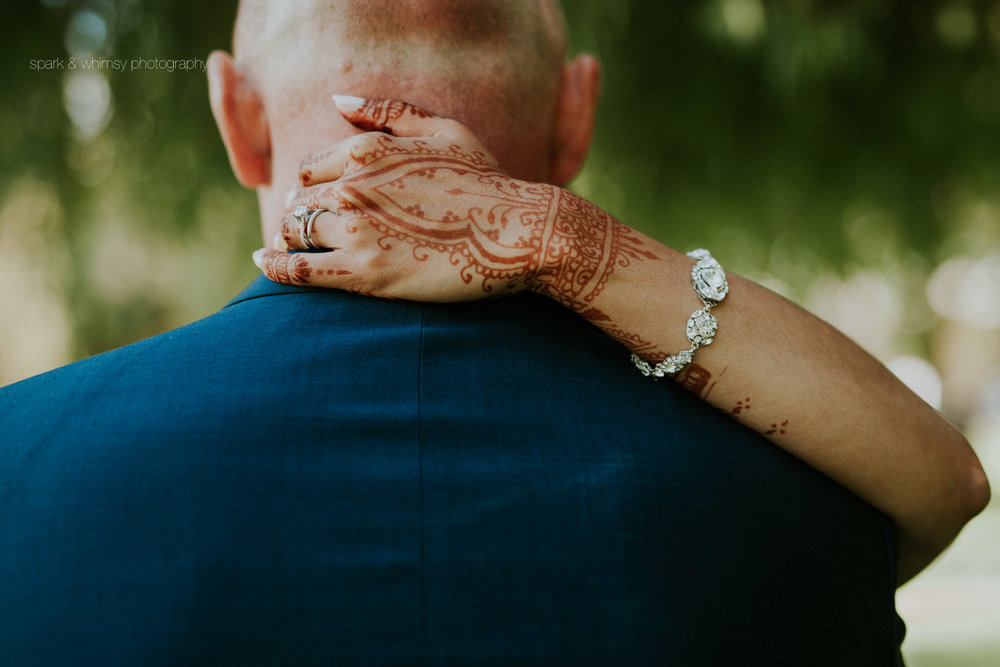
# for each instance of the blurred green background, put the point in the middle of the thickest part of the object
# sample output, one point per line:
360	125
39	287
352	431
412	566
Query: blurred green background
846	154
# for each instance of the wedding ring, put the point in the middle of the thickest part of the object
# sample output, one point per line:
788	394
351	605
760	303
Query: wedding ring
306	216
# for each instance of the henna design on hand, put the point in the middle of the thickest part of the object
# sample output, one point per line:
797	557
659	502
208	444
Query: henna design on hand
377	115
582	247
283	268
510	233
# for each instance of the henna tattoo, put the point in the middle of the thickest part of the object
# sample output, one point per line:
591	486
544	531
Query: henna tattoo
595	315
581	249
284	268
287	237
695	378
509	233
634	342
712	386
409	156
777	428
739	408
378	115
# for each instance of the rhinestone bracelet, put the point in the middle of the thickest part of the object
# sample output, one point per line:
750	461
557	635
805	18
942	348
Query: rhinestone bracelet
709	282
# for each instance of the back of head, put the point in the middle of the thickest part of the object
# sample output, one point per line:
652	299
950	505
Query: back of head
491	64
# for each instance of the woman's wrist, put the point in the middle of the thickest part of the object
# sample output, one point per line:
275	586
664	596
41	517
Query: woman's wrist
580	248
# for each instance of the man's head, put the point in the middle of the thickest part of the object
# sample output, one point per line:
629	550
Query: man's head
496	65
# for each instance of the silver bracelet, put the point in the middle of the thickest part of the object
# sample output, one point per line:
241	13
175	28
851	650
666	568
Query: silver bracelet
709	282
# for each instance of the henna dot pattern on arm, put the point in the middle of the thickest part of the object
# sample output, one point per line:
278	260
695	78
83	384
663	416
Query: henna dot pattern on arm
740	407
777	428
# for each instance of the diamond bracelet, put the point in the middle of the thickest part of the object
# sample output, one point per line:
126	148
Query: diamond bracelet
709	282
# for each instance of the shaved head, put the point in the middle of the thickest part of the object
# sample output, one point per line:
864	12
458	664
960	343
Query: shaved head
497	66
491	64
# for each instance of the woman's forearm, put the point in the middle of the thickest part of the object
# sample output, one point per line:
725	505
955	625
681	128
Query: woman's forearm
806	387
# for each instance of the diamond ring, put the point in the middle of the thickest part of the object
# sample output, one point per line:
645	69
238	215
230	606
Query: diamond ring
306	216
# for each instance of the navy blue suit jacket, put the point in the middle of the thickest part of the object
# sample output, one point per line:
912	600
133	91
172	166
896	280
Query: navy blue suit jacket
314	477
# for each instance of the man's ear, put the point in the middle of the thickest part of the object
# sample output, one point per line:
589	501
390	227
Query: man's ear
579	88
239	113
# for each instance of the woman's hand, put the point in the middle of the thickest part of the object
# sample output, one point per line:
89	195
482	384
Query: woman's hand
417	208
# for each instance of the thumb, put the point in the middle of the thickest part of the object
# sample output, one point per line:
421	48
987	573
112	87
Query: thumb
397	118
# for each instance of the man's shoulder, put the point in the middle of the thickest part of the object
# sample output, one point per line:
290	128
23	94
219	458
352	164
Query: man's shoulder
505	454
260	343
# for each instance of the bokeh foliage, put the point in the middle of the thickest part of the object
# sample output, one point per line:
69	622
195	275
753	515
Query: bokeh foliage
158	168
719	123
833	133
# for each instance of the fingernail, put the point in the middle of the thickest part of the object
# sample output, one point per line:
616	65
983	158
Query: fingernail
348	103
258	257
290	197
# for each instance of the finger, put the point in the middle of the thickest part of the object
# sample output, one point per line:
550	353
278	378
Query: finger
326	165
321	195
328	230
398	118
282	267
334	162
322	269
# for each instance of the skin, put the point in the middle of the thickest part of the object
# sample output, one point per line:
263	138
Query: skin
420	208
